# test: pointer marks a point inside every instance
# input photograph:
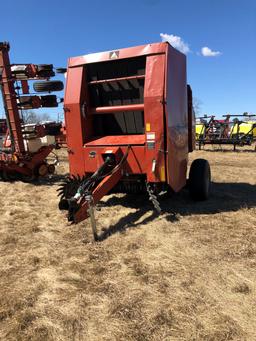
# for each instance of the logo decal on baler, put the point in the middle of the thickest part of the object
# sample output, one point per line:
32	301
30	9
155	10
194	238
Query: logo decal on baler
114	54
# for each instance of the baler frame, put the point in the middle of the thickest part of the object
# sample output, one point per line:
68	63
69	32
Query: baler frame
135	104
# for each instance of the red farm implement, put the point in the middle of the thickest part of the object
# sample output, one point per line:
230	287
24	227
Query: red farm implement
130	127
26	147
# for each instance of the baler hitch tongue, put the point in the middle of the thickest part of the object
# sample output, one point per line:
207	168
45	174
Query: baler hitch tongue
79	196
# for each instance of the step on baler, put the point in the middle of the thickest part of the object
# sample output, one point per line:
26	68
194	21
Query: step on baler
130	127
25	147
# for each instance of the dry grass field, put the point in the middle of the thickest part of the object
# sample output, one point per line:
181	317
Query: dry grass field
188	276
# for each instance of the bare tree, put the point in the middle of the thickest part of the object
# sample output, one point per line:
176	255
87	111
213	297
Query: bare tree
29	116
197	105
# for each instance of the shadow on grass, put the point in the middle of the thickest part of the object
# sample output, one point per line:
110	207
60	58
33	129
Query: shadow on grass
50	180
225	197
41	181
231	150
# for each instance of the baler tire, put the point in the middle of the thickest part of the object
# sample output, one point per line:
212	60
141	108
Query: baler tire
48	86
200	180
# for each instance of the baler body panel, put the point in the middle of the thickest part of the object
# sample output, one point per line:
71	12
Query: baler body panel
133	96
176	118
129	52
74	120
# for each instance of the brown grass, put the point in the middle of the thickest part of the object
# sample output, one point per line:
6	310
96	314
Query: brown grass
185	277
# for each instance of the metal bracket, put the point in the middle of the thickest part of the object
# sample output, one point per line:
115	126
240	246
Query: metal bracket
90	210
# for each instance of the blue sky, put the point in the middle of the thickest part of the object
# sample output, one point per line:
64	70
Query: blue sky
51	31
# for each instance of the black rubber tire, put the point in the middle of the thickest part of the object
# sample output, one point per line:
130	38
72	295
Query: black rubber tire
49	101
37	172
200	180
51	169
29	102
52	129
25	99
48	86
45	70
28	178
10	176
25	102
61	70
44	67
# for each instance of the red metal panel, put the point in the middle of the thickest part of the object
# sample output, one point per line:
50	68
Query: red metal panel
25	87
165	115
73	120
154	114
141	159
135	163
176	119
102	189
117	140
122	53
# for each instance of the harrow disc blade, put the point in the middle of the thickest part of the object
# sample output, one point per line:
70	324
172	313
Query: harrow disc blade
70	186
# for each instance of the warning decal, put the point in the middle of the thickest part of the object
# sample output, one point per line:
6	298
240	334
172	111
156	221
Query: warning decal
114	54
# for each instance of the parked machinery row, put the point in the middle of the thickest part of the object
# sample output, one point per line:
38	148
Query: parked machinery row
236	130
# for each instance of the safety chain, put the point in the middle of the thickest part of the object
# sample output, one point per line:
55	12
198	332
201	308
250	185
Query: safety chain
153	198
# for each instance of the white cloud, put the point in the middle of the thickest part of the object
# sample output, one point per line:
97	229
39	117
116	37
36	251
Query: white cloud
207	52
176	42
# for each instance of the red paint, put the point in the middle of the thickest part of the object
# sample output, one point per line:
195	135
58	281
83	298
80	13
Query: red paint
9	96
16	160
165	107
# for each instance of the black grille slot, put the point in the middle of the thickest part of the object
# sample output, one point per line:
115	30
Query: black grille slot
120	123
116	69
117	93
117	83
106	90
